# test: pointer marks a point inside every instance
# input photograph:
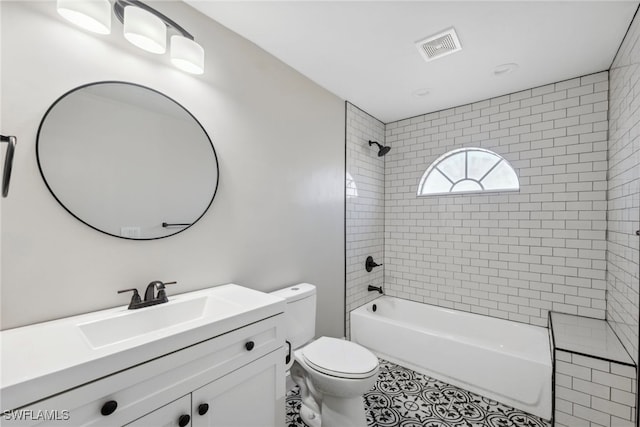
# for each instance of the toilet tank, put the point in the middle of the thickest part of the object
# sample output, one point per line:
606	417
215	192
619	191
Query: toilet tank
300	313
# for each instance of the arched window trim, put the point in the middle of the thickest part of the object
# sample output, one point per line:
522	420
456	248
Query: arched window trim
466	150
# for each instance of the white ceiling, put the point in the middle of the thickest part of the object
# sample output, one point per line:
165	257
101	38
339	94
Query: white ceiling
364	51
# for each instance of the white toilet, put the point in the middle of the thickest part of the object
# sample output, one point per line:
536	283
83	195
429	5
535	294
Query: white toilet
332	373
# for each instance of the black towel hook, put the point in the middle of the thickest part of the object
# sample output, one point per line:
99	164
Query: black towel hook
8	162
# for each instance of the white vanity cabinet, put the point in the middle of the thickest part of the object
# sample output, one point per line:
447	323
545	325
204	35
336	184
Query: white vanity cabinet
176	413
239	374
243	398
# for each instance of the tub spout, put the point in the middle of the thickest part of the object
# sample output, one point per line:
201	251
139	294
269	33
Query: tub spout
375	288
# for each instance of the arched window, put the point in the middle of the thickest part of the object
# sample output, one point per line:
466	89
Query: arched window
468	170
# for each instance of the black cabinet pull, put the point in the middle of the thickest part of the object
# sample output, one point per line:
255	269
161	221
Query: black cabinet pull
183	421
109	408
249	345
203	408
287	358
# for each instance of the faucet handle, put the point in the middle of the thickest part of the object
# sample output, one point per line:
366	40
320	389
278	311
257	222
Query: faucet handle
370	264
160	284
135	298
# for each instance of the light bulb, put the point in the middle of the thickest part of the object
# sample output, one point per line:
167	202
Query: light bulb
92	15
187	55
145	30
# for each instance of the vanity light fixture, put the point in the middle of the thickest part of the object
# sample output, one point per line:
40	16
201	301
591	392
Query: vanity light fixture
145	30
144	27
92	15
187	55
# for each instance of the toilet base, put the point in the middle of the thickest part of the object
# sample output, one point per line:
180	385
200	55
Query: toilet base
336	412
319	409
343	412
309	416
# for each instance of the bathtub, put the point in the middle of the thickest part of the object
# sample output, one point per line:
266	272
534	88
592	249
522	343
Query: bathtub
506	361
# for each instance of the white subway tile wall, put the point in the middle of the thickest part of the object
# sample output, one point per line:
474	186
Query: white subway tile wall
365	207
593	392
624	192
509	255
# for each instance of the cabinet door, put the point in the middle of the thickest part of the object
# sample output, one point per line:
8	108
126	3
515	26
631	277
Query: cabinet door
251	396
174	414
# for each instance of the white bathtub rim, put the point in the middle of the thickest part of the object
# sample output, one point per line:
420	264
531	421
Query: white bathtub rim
542	358
450	310
455	311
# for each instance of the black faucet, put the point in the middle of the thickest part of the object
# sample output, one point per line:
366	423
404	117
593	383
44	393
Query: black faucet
375	288
150	297
370	264
150	292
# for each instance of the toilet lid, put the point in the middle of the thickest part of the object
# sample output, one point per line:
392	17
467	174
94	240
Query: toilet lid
340	358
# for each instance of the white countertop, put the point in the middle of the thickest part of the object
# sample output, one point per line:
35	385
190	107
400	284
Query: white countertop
40	360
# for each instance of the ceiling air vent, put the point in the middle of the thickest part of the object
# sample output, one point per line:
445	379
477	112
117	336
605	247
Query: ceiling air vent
439	45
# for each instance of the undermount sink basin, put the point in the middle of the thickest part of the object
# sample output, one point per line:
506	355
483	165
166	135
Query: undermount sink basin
161	318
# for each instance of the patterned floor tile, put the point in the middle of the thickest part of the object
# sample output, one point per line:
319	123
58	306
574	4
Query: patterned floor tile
405	398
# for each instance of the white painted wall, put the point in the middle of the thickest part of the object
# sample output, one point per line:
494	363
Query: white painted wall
278	217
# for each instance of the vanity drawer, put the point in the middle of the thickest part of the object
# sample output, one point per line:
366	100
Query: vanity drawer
143	388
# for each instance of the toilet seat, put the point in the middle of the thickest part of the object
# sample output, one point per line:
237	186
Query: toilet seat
340	358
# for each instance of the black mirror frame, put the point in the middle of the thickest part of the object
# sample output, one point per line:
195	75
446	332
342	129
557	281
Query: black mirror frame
215	156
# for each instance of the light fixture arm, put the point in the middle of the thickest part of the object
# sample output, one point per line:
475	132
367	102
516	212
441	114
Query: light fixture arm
118	10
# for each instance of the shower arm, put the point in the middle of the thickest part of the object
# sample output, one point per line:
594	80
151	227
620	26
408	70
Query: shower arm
377	143
8	162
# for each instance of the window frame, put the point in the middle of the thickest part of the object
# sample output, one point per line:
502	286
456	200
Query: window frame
434	166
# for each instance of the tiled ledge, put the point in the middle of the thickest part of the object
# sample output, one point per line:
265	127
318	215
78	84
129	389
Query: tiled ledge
594	376
588	337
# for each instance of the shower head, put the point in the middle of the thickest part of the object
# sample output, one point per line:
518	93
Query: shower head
382	149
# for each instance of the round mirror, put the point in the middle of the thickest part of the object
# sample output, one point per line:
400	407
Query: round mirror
127	160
